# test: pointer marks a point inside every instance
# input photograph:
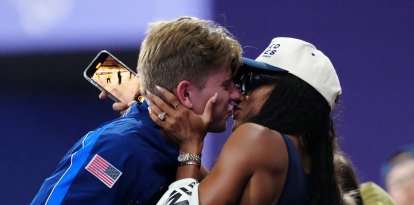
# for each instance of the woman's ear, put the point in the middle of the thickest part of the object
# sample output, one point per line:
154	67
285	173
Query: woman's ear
183	93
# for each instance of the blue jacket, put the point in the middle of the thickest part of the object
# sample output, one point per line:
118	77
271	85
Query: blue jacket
125	161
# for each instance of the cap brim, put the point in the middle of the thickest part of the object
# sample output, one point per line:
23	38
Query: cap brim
253	64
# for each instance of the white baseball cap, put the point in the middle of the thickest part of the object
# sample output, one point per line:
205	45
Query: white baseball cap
303	60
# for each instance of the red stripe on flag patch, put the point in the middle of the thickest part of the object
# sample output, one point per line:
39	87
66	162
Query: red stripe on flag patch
103	170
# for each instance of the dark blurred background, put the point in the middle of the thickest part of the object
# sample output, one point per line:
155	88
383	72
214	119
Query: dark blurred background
46	105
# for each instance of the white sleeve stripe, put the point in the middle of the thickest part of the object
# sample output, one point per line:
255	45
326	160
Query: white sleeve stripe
181	192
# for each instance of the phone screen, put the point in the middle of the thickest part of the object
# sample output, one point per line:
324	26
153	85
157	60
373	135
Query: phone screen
113	77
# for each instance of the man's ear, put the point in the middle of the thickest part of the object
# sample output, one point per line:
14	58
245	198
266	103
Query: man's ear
183	93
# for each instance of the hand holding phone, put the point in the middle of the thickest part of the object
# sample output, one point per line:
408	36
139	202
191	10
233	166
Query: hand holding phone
120	107
113	77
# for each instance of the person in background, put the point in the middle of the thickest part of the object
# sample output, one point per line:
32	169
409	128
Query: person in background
354	192
398	175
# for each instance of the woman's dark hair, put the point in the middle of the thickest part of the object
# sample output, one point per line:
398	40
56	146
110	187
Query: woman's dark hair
346	173
296	108
347	179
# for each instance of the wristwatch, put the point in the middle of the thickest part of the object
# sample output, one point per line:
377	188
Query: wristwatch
185	157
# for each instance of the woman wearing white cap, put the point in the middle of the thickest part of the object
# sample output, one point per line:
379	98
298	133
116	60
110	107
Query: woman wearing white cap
282	145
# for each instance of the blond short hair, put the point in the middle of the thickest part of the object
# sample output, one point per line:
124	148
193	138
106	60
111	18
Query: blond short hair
185	49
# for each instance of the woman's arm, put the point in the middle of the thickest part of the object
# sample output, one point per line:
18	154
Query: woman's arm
226	182
251	168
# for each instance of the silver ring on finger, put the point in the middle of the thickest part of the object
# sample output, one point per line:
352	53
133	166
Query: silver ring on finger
176	105
161	116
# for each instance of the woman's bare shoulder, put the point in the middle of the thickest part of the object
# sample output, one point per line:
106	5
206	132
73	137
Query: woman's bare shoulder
259	142
253	131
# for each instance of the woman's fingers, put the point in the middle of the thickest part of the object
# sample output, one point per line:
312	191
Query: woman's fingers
161	105
154	117
208	110
170	97
168	122
179	123
154	109
161	117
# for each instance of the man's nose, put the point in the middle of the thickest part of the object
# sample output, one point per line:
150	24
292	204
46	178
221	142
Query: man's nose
234	92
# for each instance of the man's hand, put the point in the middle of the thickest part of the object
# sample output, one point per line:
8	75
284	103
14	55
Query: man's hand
120	107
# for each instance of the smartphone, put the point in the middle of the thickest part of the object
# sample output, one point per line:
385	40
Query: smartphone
113	77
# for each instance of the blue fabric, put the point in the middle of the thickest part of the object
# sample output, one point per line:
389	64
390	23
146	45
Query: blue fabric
297	185
250	63
77	160
134	145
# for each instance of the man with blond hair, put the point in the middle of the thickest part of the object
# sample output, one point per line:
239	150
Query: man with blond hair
129	160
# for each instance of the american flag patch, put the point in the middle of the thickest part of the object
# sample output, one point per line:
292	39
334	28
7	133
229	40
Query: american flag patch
103	170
